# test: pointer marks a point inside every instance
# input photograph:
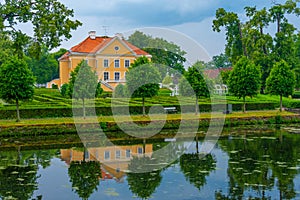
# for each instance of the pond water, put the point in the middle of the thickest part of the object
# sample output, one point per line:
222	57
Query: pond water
264	166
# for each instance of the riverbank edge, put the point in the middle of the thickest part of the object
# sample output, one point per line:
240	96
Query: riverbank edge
113	130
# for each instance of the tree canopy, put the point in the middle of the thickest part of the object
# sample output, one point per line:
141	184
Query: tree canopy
142	79
16	82
195	78
281	80
163	52
252	37
51	22
244	79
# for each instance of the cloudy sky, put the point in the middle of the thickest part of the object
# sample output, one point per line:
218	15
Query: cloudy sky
190	18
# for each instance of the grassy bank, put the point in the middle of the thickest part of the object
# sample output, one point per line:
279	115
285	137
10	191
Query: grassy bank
62	126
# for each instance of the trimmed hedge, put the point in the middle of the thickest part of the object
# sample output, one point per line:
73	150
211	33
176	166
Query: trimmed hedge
106	111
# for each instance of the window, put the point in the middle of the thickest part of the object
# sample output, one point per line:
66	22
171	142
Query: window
125	75
86	155
107	155
140	150
117	76
105	62
128	153
117	48
106	76
117	63
118	154
127	63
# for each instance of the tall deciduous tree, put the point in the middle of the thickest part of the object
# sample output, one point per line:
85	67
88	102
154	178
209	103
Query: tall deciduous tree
244	79
50	19
254	40
196	80
281	81
163	52
142	80
16	82
83	83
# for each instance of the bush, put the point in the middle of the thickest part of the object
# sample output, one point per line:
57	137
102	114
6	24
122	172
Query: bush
64	89
120	91
54	86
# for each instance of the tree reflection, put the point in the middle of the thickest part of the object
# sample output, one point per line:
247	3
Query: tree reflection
84	176
18	174
259	164
196	167
141	182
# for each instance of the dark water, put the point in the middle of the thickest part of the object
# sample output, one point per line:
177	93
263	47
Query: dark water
239	167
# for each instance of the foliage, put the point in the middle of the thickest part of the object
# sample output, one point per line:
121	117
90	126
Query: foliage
251	40
281	80
120	91
195	169
51	22
142	79
163	52
244	79
5	48
64	89
218	62
143	184
16	82
167	80
83	83
84	177
45	67
198	83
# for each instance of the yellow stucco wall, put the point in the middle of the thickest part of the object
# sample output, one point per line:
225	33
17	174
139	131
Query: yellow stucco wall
115	50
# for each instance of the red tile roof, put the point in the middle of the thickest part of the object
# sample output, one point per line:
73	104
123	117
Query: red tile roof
93	45
213	73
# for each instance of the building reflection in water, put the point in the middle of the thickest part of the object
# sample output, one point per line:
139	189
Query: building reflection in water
114	159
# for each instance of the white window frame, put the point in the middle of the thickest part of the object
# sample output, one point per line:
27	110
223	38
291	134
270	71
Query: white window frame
118	154
128	153
125	63
104	76
106	155
117	61
115	76
104	63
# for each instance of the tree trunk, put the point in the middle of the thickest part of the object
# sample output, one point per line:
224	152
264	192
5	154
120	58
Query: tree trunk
144	109
280	103
244	104
196	106
278	23
197	144
83	108
18	110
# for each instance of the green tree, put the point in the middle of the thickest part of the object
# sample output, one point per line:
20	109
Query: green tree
142	80
16	82
84	177
120	91
64	90
252	40
83	84
199	84
164	54
51	22
281	81
143	183
195	169
244	80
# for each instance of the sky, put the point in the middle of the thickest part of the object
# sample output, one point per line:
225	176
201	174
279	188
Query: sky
180	19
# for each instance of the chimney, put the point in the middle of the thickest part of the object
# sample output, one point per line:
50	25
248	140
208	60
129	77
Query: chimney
92	35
